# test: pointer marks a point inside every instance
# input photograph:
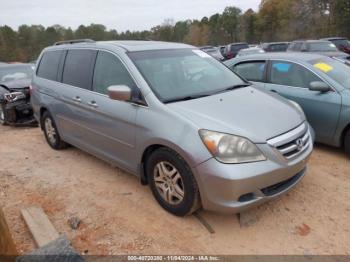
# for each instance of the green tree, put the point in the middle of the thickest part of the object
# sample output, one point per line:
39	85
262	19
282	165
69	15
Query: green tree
230	22
276	20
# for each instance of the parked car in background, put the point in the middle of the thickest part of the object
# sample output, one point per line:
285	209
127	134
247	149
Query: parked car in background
222	50
232	49
15	108
213	51
250	51
275	46
319	84
317	46
16	71
174	116
342	43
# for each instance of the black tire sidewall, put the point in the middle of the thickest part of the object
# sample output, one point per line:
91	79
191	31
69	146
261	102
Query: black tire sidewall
190	186
55	146
347	142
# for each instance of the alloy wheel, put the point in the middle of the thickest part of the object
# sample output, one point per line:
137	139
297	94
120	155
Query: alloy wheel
50	131
169	183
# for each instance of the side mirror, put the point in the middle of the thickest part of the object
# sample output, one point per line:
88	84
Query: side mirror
319	86
119	92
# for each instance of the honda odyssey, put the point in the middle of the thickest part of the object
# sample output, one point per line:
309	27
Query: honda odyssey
171	114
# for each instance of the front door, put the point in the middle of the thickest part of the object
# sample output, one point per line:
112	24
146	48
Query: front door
112	124
292	81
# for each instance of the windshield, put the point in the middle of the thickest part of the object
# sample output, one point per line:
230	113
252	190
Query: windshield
336	70
183	73
8	73
322	47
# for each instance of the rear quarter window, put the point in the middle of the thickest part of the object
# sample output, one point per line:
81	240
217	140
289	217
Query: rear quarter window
251	71
49	63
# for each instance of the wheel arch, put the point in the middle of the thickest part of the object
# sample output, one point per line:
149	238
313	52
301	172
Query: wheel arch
42	111
342	138
150	148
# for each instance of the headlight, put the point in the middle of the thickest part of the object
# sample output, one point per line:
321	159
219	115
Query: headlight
12	97
230	149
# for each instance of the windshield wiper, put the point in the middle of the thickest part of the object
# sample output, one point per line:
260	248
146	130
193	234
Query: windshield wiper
185	98
233	87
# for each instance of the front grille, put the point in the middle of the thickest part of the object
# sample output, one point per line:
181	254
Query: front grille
292	143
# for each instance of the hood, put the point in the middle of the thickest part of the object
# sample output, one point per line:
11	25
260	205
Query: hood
16	84
246	112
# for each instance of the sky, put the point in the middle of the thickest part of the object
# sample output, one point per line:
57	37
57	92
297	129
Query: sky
121	15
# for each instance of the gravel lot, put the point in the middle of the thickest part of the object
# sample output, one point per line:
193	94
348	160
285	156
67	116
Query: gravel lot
119	216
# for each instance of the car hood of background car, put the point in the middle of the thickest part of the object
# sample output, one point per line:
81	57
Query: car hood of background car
245	112
16	84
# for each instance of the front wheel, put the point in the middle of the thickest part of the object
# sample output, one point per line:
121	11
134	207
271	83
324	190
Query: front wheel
172	182
51	133
347	142
2	115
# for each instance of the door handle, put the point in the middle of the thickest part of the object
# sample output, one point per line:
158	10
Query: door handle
93	104
274	91
77	99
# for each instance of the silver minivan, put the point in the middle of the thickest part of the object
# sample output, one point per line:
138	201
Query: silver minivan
171	114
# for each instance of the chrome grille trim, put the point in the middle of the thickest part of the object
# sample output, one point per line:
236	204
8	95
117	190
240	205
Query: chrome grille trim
286	144
289	136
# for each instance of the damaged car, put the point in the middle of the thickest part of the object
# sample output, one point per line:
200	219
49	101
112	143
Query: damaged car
15	108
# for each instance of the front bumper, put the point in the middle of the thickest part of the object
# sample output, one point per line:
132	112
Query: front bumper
237	187
19	113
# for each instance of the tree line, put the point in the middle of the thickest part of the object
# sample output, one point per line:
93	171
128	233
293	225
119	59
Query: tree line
276	20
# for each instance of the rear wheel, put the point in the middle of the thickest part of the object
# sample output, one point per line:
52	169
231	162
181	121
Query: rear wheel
347	142
172	182
51	133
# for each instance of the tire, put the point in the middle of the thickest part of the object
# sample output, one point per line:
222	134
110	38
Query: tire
347	142
51	133
2	116
172	182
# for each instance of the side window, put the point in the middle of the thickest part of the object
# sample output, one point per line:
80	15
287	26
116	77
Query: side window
78	68
109	71
48	66
251	71
290	74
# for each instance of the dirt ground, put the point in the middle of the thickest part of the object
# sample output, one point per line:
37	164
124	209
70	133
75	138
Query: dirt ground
119	216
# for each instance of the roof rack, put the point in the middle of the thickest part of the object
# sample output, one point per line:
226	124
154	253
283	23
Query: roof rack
75	41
